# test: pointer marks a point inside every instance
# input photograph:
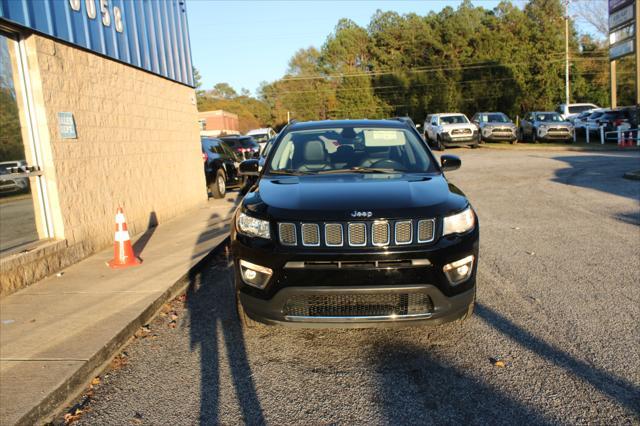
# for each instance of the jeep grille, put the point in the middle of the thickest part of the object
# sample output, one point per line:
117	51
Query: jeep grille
376	233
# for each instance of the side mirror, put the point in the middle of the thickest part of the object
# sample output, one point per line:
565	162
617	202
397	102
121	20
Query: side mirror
250	167
449	163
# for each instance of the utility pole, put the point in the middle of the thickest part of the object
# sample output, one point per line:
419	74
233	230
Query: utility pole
566	51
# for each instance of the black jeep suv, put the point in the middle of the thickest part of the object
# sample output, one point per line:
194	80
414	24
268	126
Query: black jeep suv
353	224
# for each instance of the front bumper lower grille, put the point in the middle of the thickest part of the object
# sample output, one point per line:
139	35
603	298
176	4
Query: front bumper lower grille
377	233
370	305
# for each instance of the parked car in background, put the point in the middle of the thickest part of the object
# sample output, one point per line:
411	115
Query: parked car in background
220	166
441	130
580	123
245	146
593	120
249	181
262	135
11	185
408	120
545	126
625	118
569	111
494	127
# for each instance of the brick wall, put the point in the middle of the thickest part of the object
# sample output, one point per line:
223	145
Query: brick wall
138	145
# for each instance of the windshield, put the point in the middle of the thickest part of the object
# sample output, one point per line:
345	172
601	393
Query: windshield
549	116
350	150
262	137
495	118
453	119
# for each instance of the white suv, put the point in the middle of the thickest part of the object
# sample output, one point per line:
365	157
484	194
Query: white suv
262	136
450	129
570	111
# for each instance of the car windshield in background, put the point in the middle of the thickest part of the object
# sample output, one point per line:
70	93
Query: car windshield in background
497	118
549	117
453	119
579	108
260	138
248	142
350	150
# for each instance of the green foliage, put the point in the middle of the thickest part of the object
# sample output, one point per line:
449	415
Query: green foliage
11	147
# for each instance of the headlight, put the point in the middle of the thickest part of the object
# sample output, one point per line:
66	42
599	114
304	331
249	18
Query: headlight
543	127
253	227
459	223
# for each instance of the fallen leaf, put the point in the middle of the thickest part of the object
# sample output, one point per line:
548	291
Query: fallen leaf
499	364
531	253
95	381
172	324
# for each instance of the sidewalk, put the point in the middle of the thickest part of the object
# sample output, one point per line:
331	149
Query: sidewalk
58	333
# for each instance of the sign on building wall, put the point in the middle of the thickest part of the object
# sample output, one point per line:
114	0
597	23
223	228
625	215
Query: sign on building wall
148	34
67	125
622	28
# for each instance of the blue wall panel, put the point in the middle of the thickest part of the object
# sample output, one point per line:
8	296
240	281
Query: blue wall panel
148	34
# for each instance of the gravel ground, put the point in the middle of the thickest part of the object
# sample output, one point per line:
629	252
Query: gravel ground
558	304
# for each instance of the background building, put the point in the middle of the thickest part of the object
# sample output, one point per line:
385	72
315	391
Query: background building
97	98
216	123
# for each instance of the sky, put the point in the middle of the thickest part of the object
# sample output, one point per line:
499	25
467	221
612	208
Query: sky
246	42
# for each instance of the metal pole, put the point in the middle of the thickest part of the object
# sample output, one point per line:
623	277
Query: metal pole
601	135
288	117
637	55
614	85
588	132
566	51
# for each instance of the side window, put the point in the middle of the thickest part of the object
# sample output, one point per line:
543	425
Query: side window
434	121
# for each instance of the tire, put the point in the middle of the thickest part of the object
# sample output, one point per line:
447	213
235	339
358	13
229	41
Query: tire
219	185
470	309
475	145
245	320
439	144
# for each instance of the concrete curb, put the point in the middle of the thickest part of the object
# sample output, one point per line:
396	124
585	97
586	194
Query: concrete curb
74	386
634	175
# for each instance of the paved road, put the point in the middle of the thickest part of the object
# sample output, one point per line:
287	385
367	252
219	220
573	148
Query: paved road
18	222
559	302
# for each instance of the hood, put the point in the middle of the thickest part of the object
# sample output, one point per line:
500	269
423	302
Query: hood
553	123
498	124
337	197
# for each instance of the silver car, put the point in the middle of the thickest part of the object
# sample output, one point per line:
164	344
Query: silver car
495	127
10	184
545	126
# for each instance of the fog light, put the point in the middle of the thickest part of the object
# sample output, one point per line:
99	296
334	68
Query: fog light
458	271
254	275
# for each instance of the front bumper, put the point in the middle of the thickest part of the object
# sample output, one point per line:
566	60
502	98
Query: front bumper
445	309
307	272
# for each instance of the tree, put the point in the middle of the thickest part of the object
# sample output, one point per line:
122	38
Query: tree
223	91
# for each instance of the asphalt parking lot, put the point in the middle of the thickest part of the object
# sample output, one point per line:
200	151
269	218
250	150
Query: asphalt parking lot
558	305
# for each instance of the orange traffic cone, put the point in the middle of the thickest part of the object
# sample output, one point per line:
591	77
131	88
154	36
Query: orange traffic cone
123	255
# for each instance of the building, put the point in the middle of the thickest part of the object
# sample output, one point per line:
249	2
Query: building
98	99
216	123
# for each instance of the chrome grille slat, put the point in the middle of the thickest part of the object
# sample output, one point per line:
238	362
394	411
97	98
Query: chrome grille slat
357	234
426	230
333	235
380	233
403	232
310	234
287	234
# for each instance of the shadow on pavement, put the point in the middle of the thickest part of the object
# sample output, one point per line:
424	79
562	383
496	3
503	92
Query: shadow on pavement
214	327
416	387
142	241
618	389
602	172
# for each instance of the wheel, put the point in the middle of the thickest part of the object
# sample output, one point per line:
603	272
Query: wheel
243	317
218	186
474	146
470	309
439	144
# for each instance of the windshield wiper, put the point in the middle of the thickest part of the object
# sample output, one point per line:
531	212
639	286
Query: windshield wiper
361	170
289	172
